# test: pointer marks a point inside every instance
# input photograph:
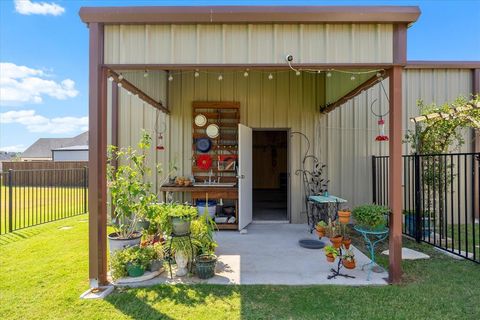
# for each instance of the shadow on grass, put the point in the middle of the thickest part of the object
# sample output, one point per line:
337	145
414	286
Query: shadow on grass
146	303
19	235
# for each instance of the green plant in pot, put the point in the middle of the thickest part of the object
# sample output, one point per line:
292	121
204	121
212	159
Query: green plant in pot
131	261
331	253
182	251
202	230
181	216
130	194
371	216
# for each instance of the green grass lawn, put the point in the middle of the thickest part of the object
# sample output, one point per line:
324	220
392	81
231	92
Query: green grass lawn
36	205
44	270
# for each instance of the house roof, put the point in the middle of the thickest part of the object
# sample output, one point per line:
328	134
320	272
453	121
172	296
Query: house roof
73	148
250	14
42	148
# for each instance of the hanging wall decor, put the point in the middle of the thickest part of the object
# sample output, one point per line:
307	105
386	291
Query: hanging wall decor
381	124
160	128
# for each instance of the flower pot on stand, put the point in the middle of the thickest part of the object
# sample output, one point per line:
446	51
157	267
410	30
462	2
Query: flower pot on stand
180	226
181	259
346	243
116	243
344	217
205	265
349	264
336	241
320	231
330	258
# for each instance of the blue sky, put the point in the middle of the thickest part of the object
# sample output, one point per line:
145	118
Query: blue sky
44	57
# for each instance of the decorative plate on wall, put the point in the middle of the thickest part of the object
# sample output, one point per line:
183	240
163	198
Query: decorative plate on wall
203	144
204	161
213	131
200	120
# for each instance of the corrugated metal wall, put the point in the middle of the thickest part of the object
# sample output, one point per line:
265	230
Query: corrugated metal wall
343	139
248	43
346	135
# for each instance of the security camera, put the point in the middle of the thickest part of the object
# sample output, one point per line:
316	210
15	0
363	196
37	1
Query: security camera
289	58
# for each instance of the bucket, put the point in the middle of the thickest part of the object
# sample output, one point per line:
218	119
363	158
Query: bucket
212	207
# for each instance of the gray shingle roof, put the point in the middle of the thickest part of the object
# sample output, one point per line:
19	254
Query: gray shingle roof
42	148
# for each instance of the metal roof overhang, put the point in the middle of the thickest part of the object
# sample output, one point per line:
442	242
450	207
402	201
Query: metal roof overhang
249	14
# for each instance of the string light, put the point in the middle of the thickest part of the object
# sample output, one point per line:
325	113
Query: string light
245	74
129	93
220	77
298	73
329	74
119	84
270	76
145	74
352	77
170	77
110	79
120	77
379	74
196	74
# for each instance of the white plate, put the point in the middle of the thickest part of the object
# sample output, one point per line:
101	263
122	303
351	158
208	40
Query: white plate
200	120
213	131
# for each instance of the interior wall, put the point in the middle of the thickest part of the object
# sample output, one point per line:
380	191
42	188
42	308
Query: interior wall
270	158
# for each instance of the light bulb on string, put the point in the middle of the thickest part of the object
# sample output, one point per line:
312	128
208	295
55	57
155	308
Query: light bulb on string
129	93
379	74
110	79
270	76
329	74
145	74
220	77
120	77
352	77
297	73
170	78
245	74
119	85
196	74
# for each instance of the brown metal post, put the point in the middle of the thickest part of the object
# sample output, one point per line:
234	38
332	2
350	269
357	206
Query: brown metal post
115	112
395	181
97	188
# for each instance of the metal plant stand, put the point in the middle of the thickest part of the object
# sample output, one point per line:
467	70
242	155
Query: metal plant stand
372	238
336	273
325	206
187	235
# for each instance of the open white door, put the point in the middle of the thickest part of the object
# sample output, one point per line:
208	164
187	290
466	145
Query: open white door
245	178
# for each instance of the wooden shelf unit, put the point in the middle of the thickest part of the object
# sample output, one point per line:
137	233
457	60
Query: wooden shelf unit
226	115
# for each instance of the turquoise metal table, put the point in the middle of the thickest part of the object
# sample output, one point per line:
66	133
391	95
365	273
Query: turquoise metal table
372	238
322	207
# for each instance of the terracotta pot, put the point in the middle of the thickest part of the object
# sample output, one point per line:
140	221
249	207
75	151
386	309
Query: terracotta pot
336	241
330	258
349	264
344	216
346	243
320	231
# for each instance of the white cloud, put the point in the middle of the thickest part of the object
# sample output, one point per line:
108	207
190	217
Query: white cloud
14	148
38	123
29	7
21	84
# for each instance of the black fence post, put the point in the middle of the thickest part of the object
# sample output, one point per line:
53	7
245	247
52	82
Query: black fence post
418	199
85	188
10	200
374	179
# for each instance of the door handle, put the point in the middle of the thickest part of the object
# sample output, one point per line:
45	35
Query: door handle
241	176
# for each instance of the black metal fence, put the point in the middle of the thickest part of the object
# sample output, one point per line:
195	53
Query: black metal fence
441	199
33	197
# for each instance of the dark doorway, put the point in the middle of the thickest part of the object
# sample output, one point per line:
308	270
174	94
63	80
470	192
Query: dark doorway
270	175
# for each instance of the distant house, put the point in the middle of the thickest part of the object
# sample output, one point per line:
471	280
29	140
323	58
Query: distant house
7	156
73	153
42	149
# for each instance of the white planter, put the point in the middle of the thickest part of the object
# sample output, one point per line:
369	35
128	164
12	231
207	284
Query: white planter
120	244
182	261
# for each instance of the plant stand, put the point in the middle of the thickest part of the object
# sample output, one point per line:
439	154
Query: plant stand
372	238
336	273
187	235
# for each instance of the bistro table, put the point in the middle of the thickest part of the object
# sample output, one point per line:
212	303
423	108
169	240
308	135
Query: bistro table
322	207
372	237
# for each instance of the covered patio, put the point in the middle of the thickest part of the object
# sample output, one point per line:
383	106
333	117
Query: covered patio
128	44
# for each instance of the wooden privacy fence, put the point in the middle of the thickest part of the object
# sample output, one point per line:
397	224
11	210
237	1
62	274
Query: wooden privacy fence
46	173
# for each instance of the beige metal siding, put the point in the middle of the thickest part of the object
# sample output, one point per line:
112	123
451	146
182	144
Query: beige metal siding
346	135
248	43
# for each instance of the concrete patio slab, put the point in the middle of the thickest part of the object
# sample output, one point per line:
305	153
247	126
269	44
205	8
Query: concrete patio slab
270	254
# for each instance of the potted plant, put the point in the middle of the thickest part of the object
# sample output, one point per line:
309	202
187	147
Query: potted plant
335	235
344	215
371	216
182	251
131	261
331	253
180	216
155	255
346	241
202	232
320	228
130	194
348	260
